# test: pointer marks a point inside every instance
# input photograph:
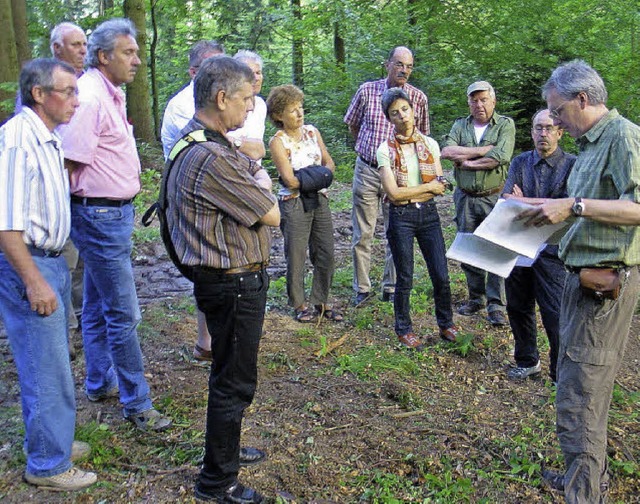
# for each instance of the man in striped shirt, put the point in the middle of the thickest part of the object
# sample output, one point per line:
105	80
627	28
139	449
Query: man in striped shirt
370	128
35	291
219	217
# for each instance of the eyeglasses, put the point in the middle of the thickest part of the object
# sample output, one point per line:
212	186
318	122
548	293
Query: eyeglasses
555	113
402	66
68	93
548	129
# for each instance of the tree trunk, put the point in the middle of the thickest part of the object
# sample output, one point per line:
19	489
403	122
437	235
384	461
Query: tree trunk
138	107
20	30
155	107
296	46
338	46
9	68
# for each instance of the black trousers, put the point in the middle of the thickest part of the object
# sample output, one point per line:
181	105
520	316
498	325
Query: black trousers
234	308
541	283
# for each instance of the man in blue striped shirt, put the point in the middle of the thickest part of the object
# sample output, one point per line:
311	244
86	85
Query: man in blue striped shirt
35	291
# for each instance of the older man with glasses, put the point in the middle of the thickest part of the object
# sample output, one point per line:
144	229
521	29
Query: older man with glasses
535	174
601	250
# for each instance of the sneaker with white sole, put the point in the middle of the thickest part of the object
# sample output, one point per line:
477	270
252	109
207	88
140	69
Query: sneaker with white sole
79	450
522	373
150	420
73	479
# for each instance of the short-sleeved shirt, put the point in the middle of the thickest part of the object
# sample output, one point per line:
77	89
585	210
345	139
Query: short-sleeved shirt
607	167
301	154
36	185
181	108
540	177
100	138
413	167
365	112
501	133
215	205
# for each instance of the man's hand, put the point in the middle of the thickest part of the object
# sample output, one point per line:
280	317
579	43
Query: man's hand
550	211
42	298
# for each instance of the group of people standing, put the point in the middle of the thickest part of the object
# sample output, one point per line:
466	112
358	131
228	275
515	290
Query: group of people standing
72	168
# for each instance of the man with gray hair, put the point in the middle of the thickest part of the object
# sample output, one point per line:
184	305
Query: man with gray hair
104	173
35	291
601	251
480	146
180	108
69	43
209	182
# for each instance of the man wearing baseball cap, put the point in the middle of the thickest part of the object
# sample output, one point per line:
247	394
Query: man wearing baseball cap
480	147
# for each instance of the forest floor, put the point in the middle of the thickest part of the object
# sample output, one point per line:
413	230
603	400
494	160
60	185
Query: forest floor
345	414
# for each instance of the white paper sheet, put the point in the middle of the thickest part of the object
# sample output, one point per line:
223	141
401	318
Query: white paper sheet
476	251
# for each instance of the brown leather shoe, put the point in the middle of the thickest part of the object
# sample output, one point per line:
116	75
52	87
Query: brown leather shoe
449	334
410	340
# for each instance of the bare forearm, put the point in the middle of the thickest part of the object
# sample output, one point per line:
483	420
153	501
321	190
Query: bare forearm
483	163
460	154
263	179
253	148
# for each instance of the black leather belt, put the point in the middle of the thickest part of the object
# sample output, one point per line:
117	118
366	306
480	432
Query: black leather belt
105	202
372	164
38	252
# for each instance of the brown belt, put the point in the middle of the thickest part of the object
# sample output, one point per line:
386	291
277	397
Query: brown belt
479	194
249	268
288	197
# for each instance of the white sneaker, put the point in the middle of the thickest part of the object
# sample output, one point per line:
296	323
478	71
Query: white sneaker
79	450
521	373
73	479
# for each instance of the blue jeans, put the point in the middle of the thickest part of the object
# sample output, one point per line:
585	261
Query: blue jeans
406	223
234	308
41	353
110	312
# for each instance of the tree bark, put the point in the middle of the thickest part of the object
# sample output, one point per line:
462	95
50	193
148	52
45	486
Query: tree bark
155	107
9	68
297	47
20	30
138	105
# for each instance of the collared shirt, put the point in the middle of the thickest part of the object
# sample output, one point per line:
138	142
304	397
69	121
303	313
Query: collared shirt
540	177
100	138
180	111
501	133
366	112
36	195
214	206
608	167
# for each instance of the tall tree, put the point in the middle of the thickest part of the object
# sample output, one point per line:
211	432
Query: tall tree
8	60
138	106
20	29
296	45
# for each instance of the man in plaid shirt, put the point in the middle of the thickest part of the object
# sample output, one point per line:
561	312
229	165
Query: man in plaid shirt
370	128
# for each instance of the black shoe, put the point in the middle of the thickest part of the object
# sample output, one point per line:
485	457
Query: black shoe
361	298
496	318
388	297
554	480
235	494
251	456
469	308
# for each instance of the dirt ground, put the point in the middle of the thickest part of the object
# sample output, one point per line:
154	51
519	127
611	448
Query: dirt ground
448	427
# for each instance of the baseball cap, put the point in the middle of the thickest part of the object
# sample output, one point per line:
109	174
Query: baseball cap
479	86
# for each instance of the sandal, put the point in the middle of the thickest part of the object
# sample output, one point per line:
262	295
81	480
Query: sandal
329	313
306	315
200	354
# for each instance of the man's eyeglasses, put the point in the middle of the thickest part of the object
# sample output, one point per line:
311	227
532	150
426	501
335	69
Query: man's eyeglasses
555	113
548	129
402	66
68	93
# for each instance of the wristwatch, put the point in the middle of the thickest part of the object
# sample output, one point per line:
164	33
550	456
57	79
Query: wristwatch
237	142
578	207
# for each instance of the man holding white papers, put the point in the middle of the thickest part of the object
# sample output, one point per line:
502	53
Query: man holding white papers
540	173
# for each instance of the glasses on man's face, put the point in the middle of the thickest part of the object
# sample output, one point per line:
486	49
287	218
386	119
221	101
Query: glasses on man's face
402	66
68	93
555	113
548	129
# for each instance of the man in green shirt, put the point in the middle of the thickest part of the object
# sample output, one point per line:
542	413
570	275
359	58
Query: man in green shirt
480	146
603	242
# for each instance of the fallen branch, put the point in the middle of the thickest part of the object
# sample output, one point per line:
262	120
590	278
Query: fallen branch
332	346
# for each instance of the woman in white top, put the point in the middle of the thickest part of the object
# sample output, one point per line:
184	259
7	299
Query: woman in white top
294	147
411	175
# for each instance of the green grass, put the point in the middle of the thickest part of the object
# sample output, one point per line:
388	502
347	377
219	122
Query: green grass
369	362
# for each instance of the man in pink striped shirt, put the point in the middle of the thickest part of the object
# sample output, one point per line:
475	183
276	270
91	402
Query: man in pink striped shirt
370	128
